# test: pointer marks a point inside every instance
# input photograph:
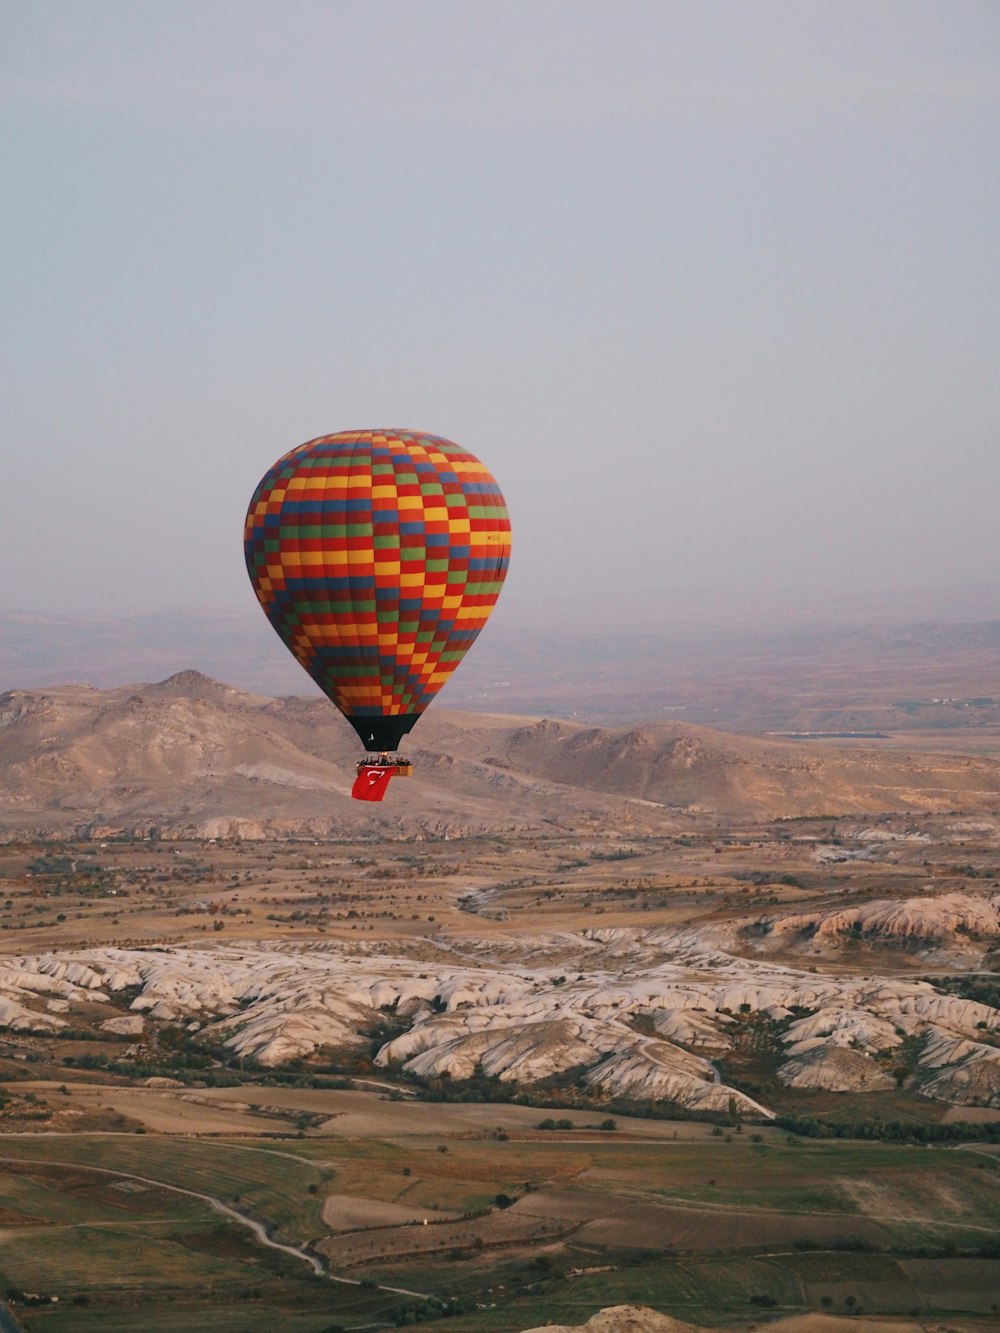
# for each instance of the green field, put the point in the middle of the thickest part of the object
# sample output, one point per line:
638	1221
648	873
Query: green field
915	1193
711	1229
123	1258
239	1310
263	1183
723	1291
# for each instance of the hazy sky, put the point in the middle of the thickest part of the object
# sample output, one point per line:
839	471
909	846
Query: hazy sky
711	287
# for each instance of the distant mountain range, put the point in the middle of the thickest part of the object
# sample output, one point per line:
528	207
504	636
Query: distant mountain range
43	649
863	666
190	756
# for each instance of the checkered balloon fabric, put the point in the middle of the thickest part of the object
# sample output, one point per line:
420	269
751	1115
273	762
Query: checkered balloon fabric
377	557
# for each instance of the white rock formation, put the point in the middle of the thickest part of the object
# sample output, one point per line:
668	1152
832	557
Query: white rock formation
623	1319
128	1025
834	1025
510	1010
836	1069
956	920
659	1071
19	1018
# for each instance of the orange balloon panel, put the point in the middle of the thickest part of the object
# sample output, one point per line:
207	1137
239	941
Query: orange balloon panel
377	557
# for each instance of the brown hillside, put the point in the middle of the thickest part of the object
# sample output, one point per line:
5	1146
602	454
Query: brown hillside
190	755
700	769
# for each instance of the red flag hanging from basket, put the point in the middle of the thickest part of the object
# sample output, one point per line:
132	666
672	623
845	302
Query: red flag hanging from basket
371	782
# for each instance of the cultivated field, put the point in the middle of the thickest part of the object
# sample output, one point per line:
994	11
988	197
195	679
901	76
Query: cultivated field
539	1223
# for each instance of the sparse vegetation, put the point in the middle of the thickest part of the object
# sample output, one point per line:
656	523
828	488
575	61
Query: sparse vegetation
795	1188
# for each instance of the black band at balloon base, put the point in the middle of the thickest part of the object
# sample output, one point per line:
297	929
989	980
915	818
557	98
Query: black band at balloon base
382	734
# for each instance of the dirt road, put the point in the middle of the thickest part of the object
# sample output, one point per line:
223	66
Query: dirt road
297	1252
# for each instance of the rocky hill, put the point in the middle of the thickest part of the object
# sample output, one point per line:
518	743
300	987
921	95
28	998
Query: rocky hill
641	1319
644	1016
192	757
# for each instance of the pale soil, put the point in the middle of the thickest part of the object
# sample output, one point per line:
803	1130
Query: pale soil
623	1319
346	1212
352	1114
167	1112
507	1227
880	1201
638	1319
977	1115
371	1115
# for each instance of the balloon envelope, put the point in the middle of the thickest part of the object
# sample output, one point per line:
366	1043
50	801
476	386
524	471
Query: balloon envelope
377	557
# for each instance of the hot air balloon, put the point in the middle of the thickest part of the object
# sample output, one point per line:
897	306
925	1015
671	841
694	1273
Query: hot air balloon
377	556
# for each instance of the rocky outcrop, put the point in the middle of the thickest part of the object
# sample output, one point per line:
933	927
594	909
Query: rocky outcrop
835	1069
623	1319
660	1072
643	1021
640	1319
938	917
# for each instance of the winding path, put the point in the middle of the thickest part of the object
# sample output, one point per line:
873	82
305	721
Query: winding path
297	1252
